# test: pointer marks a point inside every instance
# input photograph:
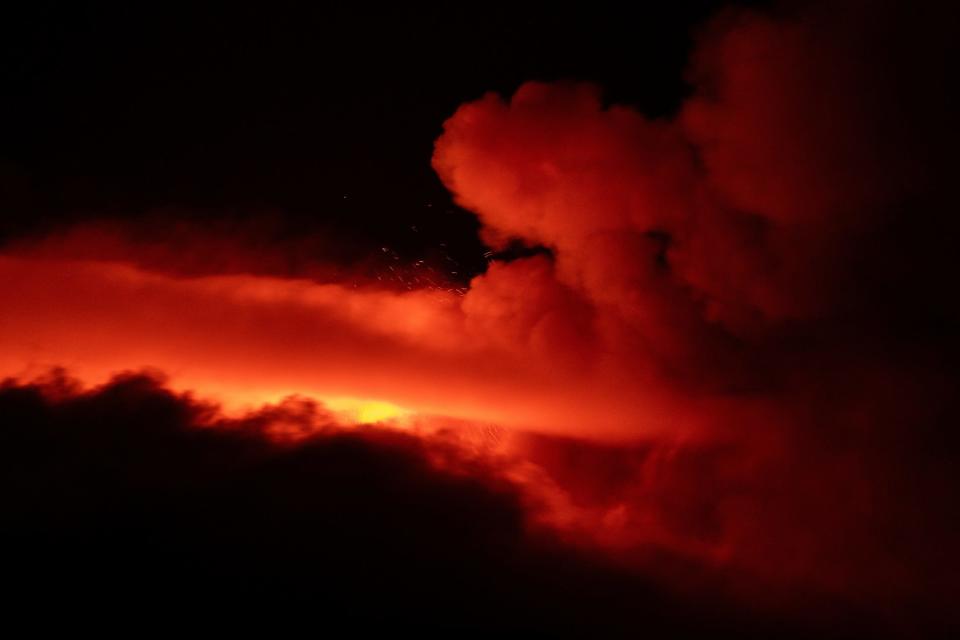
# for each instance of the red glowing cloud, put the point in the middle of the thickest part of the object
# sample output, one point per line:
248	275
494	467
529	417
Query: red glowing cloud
707	362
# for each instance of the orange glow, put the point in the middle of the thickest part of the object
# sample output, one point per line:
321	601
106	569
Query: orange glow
365	411
245	340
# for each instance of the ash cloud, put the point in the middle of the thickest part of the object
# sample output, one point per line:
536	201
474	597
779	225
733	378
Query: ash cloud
781	247
132	497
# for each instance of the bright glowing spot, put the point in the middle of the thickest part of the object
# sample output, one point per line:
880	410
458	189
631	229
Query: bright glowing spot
366	411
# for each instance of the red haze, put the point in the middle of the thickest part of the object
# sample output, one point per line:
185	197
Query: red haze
711	358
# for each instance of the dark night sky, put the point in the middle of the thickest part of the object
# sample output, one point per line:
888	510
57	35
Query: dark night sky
112	111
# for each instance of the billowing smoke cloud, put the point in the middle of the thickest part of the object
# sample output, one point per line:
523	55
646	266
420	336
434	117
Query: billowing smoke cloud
734	349
745	250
